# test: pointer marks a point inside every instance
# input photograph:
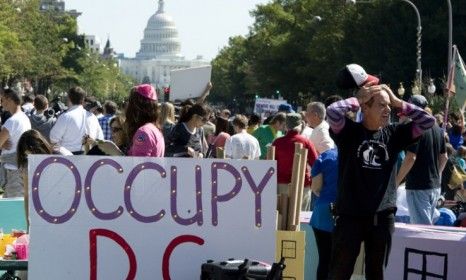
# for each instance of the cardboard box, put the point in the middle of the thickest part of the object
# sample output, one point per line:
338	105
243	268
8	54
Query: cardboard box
291	246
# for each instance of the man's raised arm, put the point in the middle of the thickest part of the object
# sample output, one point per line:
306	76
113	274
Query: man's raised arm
336	113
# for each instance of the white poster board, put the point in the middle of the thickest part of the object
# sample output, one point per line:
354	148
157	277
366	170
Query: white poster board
189	83
146	218
267	106
427	252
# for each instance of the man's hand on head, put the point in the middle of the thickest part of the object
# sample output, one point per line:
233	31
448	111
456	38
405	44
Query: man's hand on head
363	95
394	100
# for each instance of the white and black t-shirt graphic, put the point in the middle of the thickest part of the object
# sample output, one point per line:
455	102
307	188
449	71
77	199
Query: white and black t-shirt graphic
373	154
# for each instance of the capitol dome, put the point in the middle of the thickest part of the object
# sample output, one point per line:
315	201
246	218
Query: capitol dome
160	37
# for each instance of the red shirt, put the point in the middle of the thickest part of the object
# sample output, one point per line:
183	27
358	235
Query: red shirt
284	153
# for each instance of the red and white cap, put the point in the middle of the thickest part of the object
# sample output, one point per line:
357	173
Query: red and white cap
354	76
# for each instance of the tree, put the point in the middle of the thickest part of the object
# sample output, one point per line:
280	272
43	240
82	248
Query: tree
288	50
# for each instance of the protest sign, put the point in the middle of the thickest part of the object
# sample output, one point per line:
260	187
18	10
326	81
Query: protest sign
267	106
189	83
146	218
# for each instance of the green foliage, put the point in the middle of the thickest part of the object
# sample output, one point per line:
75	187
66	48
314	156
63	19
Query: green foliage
289	50
44	47
102	78
231	69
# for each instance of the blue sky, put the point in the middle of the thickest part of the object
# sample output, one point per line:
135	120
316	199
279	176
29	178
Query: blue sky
204	26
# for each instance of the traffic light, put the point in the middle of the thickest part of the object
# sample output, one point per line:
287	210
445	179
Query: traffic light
166	94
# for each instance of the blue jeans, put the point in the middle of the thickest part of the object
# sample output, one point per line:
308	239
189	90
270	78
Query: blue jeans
421	205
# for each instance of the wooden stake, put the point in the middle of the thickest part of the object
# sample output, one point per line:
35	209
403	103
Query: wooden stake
293	187
278	220
302	176
270	153
284	211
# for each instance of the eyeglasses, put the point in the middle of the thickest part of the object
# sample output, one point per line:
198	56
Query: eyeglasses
203	119
116	129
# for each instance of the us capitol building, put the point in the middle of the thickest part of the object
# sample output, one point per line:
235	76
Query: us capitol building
159	52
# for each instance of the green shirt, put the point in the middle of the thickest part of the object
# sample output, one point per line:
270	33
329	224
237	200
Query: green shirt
265	134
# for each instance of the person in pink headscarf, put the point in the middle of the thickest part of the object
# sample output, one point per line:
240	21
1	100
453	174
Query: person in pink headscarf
141	123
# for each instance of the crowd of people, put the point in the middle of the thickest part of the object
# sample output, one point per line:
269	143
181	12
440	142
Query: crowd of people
357	156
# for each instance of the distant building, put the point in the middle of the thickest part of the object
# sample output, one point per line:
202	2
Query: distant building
52	5
160	52
108	53
57	6
92	43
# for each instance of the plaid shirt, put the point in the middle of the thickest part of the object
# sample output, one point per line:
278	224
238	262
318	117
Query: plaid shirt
105	125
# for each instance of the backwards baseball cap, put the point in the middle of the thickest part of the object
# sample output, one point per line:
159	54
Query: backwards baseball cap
418	100
353	76
147	91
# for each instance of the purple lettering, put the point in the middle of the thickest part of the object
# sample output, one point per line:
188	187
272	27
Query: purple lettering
216	198
127	193
88	190
198	216
35	190
257	190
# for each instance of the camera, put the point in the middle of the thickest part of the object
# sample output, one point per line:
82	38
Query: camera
49	113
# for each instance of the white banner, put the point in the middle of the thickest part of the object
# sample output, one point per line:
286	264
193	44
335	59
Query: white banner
264	105
146	218
427	252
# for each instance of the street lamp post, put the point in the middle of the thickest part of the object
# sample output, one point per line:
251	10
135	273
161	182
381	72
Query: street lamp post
418	44
450	34
418	36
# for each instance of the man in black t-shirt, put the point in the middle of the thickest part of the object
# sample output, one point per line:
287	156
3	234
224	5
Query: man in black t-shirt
422	166
366	198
